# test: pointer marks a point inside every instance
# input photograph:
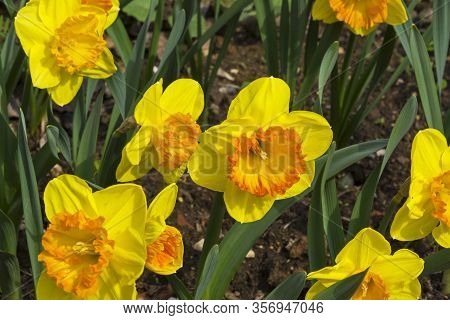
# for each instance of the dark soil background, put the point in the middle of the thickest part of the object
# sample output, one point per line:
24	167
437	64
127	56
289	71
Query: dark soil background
282	249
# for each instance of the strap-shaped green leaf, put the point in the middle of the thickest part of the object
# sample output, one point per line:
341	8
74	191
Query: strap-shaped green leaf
290	288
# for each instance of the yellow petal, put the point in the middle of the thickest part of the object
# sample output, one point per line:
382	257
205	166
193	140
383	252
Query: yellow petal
45	73
313	129
365	248
208	165
263	101
67	89
315	289
184	96
68	194
174	175
113	13
135	149
322	11
48	290
419	200
126	171
406	229
29	28
110	288
399	268
396	12
442	235
407	291
303	184
330	275
104	67
445	160
427	149
362	31
124	208
54	13
159	210
245	207
148	110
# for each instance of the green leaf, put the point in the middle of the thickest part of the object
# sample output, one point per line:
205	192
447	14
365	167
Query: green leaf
231	12
179	287
134	70
213	229
268	31
62	139
332	222
30	200
8	235
437	262
317	256
207	273
441	37
57	143
117	85
327	66
421	63
172	43
140	9
290	288
119	36
9	277
86	155
342	290
364	203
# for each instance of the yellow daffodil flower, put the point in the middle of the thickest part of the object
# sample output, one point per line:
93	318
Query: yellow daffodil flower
168	134
164	243
389	277
361	16
261	152
94	247
64	43
427	208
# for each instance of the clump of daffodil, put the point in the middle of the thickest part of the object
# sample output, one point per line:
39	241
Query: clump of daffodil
388	277
94	246
261	152
361	16
427	209
165	247
64	43
168	133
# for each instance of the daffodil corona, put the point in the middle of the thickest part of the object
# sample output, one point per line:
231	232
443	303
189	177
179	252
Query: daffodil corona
94	247
168	133
164	243
261	152
64	43
388	277
362	16
427	209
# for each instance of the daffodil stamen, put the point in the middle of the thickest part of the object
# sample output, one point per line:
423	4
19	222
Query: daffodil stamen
77	45
177	141
76	251
165	252
268	162
440	195
372	288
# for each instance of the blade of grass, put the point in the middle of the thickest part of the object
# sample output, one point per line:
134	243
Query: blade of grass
441	37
